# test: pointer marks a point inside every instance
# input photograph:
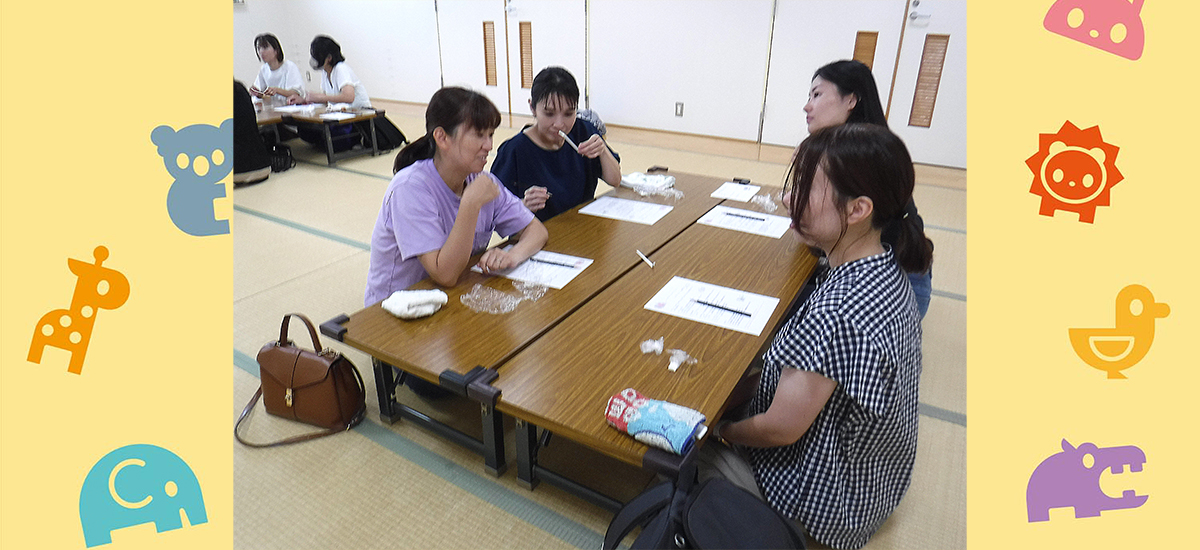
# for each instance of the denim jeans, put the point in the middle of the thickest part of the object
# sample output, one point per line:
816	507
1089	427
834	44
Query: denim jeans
922	284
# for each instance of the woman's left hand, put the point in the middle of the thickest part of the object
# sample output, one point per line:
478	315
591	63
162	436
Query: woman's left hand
593	147
497	259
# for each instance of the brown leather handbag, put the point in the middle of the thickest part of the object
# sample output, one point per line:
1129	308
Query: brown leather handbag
321	388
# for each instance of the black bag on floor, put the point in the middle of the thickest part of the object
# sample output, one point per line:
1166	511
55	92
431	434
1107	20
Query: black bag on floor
714	514
281	158
387	135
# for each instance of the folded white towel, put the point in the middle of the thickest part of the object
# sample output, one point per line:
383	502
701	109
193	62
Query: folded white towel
412	304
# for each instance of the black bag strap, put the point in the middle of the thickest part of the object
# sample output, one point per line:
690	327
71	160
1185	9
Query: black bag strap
354	421
636	512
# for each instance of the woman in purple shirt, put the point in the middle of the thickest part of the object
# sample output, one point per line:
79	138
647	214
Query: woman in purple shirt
441	207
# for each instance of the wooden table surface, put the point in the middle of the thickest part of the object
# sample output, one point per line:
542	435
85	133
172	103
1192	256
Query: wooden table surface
563	380
458	339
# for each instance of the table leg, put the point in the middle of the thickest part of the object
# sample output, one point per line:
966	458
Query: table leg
493	441
385	386
328	144
374	144
527	448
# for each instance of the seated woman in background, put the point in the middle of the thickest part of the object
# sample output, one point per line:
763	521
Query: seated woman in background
278	80
251	158
845	91
832	428
339	84
539	166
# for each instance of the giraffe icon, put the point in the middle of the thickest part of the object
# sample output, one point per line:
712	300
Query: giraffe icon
97	288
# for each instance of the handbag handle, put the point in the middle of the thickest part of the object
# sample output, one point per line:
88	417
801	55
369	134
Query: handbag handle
312	331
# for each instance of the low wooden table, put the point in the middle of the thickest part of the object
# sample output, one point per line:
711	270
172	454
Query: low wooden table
461	350
562	381
271	117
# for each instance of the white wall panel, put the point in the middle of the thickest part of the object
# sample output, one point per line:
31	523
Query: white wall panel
461	24
811	33
559	38
711	55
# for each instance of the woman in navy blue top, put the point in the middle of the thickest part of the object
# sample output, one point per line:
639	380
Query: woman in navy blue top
539	166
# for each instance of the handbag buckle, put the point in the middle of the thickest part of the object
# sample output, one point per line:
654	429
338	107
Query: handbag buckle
287	397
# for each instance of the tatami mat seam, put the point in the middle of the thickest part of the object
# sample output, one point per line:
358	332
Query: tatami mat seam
344	169
305	228
489	491
950	295
939	413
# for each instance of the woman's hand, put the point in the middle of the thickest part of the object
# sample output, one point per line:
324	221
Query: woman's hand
593	147
535	198
295	100
256	92
497	259
480	192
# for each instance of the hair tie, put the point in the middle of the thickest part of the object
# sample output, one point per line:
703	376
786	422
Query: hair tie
905	216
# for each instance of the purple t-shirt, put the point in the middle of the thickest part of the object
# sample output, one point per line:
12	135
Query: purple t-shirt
416	217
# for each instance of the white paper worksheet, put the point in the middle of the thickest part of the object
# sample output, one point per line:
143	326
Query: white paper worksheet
714	305
337	116
740	192
545	268
645	213
747	221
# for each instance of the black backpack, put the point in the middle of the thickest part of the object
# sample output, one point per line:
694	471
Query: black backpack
714	514
281	158
387	135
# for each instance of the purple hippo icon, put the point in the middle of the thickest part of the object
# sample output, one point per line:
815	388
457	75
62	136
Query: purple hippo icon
1072	478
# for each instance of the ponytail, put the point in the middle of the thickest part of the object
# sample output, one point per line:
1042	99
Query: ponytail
913	250
420	149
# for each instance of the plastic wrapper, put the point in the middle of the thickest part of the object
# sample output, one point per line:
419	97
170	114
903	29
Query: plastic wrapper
652	184
531	291
484	299
679	358
765	202
655	346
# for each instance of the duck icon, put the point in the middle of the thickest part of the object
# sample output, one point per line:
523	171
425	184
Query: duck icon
1115	349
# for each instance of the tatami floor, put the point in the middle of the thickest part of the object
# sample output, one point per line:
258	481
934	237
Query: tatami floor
301	244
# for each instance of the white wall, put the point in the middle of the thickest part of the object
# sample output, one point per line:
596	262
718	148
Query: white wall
711	55
811	33
462	46
558	39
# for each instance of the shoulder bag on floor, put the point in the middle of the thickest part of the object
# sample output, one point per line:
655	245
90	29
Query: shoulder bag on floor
321	388
713	514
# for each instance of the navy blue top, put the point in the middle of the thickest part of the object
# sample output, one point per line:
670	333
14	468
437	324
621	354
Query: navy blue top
568	176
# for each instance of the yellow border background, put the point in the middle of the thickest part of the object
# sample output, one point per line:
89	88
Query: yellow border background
87	82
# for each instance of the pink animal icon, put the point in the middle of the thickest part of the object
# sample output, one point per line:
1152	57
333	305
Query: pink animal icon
71	329
1072	479
1114	26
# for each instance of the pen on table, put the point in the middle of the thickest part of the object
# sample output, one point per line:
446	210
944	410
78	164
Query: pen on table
541	261
569	142
701	302
645	259
744	216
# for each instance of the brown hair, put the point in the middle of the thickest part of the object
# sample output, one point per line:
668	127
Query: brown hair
449	108
863	160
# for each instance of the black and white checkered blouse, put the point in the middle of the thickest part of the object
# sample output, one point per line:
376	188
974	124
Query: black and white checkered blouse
861	329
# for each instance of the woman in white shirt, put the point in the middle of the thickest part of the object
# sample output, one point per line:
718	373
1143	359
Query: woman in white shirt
278	80
339	84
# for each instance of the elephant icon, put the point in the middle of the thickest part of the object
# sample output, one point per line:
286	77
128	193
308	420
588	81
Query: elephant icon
138	484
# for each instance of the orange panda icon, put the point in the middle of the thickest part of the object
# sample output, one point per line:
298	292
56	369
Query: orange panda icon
1115	349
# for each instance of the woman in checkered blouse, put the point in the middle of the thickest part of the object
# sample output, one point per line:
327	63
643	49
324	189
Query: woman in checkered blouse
831	431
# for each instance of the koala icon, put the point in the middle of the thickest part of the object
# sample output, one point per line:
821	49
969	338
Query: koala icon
198	157
138	484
